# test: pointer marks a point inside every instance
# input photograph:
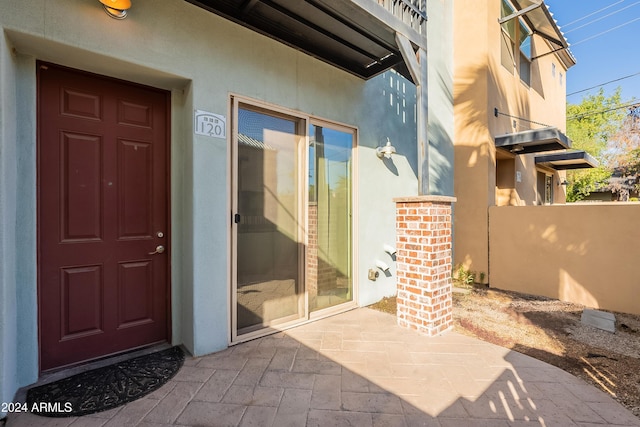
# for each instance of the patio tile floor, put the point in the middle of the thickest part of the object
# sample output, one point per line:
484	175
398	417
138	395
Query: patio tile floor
360	369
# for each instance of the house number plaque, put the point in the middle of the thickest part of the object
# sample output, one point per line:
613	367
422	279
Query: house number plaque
210	124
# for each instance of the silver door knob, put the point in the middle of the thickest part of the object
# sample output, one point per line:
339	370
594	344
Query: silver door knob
159	250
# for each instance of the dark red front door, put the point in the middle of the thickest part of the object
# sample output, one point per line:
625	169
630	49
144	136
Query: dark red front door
102	212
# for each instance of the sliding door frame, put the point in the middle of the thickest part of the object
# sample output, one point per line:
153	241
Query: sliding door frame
303	122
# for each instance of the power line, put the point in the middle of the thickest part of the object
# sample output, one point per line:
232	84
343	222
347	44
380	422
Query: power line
603	84
591	113
601	18
605	32
592	13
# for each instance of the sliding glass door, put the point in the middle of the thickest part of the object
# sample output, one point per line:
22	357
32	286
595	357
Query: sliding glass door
269	245
291	220
329	269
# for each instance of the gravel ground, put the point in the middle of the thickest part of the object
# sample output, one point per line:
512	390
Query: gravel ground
551	330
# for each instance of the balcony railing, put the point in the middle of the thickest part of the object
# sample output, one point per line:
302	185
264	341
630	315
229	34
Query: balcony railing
411	12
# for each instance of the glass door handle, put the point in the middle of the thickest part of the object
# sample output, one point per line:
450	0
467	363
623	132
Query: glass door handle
159	250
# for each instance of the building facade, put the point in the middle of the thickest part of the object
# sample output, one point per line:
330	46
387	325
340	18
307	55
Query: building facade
510	64
188	176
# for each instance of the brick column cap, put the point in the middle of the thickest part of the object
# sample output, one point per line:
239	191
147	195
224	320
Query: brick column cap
427	198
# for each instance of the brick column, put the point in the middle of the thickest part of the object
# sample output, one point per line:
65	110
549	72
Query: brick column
423	257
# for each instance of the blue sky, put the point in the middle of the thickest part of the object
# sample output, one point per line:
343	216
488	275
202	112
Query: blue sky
604	52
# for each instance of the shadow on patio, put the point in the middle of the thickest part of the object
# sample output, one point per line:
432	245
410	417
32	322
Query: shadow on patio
359	368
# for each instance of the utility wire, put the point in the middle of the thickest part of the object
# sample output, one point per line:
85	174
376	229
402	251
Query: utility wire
605	32
601	18
592	13
592	113
603	84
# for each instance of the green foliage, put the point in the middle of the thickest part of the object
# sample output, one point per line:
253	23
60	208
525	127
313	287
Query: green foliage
583	182
464	277
590	126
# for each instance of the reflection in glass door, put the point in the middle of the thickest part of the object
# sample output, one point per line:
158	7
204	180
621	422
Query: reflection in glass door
329	255
292	219
268	240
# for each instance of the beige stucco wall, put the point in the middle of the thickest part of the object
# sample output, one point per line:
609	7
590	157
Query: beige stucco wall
583	253
481	84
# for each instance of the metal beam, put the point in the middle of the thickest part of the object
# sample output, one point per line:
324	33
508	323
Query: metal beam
422	104
409	57
248	5
417	65
520	12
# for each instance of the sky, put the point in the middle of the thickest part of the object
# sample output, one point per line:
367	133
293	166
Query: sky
603	37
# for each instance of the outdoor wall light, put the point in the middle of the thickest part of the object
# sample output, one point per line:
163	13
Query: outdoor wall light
116	9
564	182
386	151
381	265
389	249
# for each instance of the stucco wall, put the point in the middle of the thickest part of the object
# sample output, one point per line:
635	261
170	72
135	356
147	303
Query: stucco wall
201	58
583	253
482	84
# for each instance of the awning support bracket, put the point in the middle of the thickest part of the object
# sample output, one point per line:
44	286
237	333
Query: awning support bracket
519	13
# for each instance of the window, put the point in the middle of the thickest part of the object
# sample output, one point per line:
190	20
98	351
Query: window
553	70
515	30
508	37
545	188
525	54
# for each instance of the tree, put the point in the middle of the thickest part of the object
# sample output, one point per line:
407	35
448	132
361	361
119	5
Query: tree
591	124
623	155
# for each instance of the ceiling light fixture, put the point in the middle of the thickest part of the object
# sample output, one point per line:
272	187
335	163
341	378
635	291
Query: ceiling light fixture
116	9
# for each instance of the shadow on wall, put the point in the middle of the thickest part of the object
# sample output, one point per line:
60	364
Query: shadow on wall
578	253
390	95
441	148
478	89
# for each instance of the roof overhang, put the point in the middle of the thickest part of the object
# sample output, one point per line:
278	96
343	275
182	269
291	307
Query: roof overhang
567	160
538	17
358	36
533	141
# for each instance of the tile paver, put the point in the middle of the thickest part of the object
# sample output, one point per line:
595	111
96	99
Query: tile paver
359	368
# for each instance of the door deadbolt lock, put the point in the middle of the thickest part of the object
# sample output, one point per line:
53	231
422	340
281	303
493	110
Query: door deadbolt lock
160	234
159	250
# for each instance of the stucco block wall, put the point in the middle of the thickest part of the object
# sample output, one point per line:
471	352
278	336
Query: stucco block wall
582	253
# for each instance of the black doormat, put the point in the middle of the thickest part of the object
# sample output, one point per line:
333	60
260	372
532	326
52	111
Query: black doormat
105	388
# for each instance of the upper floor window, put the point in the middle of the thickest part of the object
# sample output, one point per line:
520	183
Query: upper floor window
515	32
525	54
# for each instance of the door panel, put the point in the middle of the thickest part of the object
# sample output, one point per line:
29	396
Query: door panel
268	238
81	287
329	265
102	199
81	161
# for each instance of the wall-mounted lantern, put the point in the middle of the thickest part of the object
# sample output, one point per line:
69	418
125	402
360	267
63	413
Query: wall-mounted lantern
116	9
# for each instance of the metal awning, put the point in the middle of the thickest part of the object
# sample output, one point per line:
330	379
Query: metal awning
533	141
577	159
540	20
358	36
